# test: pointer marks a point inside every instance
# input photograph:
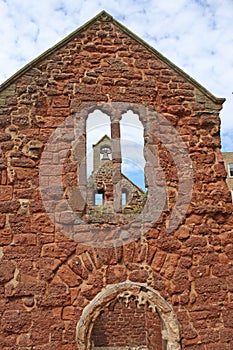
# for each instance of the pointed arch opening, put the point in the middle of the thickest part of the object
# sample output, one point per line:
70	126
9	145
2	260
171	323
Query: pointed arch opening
132	148
98	134
115	187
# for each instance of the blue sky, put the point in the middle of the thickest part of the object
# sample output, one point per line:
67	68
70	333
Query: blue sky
196	35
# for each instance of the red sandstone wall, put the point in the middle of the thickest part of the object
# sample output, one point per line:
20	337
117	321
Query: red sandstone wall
47	279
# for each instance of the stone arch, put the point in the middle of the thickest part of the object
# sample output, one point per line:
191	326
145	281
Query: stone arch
124	291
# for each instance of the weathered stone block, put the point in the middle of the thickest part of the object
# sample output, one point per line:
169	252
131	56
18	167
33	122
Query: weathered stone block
7	269
69	277
16	321
116	274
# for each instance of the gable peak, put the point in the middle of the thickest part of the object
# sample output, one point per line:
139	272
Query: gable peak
104	16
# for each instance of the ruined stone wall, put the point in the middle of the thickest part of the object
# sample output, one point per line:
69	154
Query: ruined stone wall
47	278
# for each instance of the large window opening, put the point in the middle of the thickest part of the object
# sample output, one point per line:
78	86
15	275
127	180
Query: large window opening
114	166
97	129
98	162
132	144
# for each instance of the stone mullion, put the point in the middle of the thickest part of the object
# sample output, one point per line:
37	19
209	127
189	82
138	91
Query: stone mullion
116	160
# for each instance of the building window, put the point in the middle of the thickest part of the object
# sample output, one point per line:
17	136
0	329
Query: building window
230	167
99	198
124	197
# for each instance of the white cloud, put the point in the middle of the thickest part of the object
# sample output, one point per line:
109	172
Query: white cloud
195	35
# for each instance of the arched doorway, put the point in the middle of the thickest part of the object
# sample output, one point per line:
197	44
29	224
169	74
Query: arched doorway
134	297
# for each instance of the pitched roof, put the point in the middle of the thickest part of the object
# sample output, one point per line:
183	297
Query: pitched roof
103	15
102	139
